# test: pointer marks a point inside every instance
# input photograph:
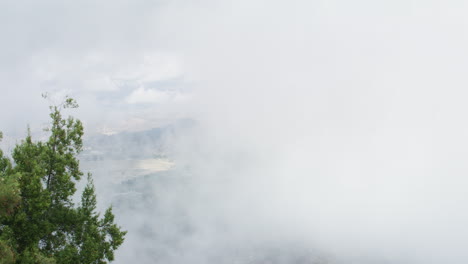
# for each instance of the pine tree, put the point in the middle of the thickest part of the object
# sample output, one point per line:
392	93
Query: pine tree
45	226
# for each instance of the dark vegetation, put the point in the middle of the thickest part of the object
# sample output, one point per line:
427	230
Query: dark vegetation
39	222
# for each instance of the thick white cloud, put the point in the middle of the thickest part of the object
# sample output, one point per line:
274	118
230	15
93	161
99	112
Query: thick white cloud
339	124
142	95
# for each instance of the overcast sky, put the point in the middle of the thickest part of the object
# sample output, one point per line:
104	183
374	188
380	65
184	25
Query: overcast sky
127	60
110	56
355	111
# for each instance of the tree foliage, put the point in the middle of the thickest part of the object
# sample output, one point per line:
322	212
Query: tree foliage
39	222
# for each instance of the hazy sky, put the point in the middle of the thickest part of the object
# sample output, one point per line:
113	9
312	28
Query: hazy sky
352	114
108	55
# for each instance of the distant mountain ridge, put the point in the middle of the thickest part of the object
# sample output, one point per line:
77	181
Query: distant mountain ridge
133	145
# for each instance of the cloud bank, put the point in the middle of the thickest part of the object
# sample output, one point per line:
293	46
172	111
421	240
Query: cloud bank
334	126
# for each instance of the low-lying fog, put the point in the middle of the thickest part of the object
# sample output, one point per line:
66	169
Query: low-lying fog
256	131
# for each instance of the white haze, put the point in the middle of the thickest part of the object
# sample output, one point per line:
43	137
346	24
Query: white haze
331	126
